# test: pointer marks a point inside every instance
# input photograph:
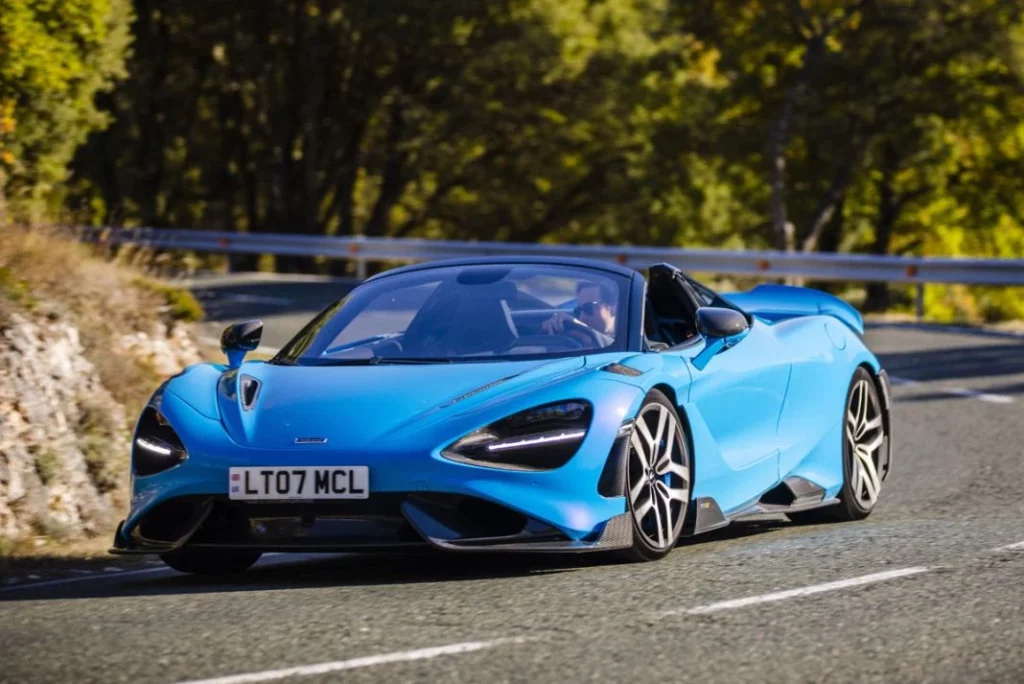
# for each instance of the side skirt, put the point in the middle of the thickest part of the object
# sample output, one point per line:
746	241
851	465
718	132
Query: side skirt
792	495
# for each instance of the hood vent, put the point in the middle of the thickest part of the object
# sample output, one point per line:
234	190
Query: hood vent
478	390
249	389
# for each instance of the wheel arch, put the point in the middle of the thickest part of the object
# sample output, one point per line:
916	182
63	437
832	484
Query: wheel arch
881	380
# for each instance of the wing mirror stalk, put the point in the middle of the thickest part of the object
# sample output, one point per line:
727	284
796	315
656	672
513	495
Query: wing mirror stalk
722	328
238	340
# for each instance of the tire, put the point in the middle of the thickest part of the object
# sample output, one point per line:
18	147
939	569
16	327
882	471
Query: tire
865	454
210	561
657	487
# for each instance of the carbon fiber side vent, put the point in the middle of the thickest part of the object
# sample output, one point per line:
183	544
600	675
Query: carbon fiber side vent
619	369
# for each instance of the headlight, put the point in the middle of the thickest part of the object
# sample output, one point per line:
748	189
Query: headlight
156	446
540	438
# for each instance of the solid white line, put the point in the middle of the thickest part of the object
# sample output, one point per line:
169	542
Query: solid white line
960	392
804	591
113	572
1010	547
354	663
256	277
257	299
86	578
955	329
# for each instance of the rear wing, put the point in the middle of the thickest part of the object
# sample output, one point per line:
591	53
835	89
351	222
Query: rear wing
778	302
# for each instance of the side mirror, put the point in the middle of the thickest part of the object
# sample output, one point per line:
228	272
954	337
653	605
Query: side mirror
714	323
238	340
721	329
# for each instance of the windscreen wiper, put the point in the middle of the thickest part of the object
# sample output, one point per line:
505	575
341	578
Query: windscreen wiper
406	360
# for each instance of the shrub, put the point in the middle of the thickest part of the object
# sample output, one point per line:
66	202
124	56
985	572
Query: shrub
48	466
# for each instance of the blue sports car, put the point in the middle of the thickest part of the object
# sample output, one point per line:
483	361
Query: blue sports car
514	404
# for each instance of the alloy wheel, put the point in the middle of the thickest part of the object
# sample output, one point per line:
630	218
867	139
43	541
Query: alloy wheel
865	433
659	481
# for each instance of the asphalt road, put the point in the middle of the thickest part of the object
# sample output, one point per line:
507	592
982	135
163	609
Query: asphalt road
929	589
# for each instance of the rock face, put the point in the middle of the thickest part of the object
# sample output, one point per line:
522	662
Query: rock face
165	351
64	440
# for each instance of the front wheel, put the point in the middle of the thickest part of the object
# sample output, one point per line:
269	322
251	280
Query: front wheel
210	561
865	450
658	479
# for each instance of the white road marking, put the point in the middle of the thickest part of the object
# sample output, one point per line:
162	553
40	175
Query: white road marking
257	299
110	571
1010	547
257	277
954	329
84	578
796	593
355	663
959	392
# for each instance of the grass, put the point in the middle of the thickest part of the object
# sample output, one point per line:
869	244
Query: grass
48	464
179	302
106	463
17	290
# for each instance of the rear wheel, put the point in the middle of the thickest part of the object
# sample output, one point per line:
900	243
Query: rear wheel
657	478
865	446
210	561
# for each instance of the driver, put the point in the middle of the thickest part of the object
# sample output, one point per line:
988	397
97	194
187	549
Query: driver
595	307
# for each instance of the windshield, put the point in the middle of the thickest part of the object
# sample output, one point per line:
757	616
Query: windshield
465	313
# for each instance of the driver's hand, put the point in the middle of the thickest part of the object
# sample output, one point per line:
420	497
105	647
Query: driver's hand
556	324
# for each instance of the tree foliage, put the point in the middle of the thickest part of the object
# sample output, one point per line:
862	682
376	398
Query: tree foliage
885	126
55	55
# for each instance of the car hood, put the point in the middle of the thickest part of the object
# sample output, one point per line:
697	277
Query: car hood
362	404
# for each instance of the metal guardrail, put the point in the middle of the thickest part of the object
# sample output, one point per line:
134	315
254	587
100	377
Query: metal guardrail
765	264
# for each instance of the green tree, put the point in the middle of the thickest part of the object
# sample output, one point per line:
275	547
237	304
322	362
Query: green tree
55	55
520	119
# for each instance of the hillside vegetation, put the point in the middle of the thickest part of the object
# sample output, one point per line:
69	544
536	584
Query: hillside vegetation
84	340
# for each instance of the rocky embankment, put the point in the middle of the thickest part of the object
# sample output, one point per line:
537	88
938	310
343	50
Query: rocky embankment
64	438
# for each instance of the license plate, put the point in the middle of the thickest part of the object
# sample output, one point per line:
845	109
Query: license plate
299	482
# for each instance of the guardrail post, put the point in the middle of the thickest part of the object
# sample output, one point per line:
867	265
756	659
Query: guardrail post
355	252
919	300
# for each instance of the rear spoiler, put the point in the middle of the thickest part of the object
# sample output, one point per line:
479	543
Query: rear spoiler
777	302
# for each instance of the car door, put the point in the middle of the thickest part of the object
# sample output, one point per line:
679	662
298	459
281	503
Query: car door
738	395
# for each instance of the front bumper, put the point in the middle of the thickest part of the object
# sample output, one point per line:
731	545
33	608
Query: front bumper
387	522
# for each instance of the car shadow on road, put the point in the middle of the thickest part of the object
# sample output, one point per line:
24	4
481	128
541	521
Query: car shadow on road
281	572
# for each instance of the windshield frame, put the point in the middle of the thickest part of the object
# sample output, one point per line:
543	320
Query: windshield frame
296	351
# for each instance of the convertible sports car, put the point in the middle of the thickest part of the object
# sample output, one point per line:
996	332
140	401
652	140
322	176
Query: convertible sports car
514	404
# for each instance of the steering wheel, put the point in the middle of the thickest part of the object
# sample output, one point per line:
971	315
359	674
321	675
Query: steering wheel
581	331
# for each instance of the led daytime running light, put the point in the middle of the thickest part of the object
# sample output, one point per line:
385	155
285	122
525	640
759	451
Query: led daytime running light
535	441
155	448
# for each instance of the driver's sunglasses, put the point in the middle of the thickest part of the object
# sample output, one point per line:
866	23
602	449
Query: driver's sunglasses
587	308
